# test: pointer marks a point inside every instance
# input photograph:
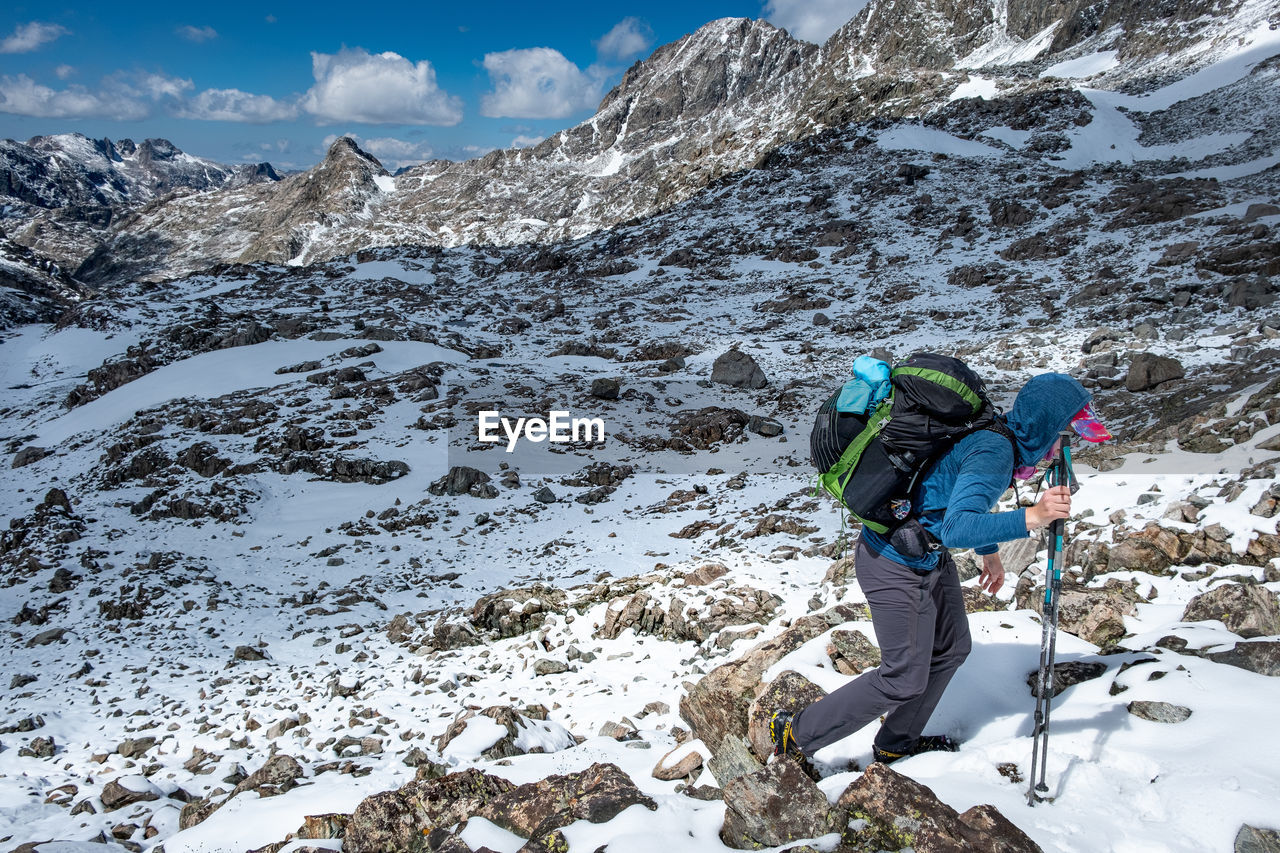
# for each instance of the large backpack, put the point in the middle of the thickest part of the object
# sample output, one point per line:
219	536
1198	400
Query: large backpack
871	461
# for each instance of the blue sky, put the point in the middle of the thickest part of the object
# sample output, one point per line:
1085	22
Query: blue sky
248	82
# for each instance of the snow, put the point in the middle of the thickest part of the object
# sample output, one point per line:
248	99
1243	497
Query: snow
1084	66
247	821
932	141
386	183
1113	137
1120	783
1009	136
1004	49
482	833
1232	172
1260	43
547	736
974	87
481	732
221	372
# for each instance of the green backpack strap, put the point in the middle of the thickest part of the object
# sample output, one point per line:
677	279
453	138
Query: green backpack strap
835	480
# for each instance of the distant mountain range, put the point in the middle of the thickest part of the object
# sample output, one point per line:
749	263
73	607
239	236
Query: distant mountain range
715	102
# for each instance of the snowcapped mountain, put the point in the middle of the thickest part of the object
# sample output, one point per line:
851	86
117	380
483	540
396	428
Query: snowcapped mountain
701	108
61	192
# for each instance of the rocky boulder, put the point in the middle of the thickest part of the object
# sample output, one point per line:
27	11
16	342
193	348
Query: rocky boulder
126	791
1095	614
852	653
537	810
1250	839
464	480
898	812
1246	609
738	370
512	612
1147	371
790	691
719	704
774	806
1067	674
399	821
1159	712
1260	656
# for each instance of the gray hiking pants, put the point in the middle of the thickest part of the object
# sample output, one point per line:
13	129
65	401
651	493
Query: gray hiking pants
923	633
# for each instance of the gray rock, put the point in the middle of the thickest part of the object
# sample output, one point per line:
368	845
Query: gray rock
1249	610
40	747
1260	656
897	811
687	767
1159	712
248	653
1250	839
28	455
852	653
732	759
1068	674
116	796
547	666
44	638
462	480
776	805
605	388
738	370
1147	371
544	496
766	427
135	747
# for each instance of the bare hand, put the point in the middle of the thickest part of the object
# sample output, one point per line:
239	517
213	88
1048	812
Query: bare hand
992	577
1054	504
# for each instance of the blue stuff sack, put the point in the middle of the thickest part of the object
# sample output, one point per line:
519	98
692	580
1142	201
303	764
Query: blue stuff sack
869	385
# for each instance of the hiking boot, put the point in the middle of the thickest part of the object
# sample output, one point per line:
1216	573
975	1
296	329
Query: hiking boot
784	742
883	757
935	743
926	743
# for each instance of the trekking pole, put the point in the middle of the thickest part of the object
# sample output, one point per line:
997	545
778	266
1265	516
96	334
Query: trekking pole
1060	474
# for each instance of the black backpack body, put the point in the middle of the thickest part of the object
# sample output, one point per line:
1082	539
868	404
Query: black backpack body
871	462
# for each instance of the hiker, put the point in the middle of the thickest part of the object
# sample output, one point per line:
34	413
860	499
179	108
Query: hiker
916	604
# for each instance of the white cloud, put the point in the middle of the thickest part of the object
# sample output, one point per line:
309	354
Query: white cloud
383	88
538	82
629	37
29	37
234	105
811	20
64	71
523	141
197	34
121	97
156	86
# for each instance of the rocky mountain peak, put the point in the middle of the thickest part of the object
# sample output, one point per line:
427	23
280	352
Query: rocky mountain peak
344	153
345	185
726	60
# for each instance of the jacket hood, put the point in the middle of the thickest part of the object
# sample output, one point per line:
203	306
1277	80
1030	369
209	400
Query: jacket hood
1043	408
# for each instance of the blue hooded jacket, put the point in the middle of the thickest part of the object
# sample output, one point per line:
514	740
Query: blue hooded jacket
955	496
